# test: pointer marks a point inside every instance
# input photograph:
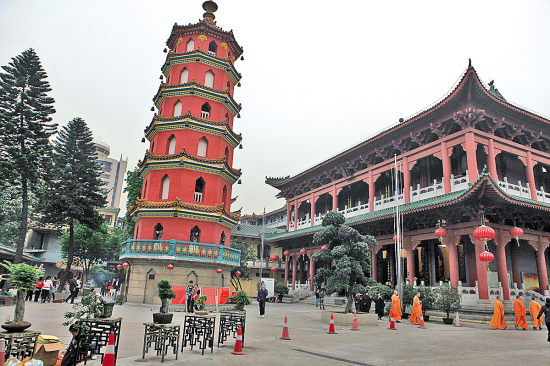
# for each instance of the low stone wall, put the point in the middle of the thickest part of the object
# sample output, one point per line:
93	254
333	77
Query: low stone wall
365	319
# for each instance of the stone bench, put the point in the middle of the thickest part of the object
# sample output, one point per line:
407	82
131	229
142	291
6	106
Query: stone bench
365	319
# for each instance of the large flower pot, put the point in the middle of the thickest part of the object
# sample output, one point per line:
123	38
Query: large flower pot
448	320
107	309
12	328
159	318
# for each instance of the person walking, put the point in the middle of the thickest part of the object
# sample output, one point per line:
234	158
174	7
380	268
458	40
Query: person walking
317	298
262	298
416	312
51	295
322	299
103	291
38	289
358	302
545	309
196	294
46	289
498	316
367	302
189	297
73	288
534	309
521	313
379	306
395	311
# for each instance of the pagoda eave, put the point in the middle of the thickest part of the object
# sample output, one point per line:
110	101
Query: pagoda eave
204	58
194	89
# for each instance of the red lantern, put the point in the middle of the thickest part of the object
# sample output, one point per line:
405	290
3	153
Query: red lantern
303	251
274	258
238	273
324	247
484	233
441	233
486	257
516	232
219	271
286	253
118	266
170	267
125	265
273	269
396	238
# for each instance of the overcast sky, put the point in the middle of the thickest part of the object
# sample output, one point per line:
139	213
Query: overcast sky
318	76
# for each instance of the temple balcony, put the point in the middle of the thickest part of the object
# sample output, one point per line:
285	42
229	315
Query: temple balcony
543	196
266	264
179	250
515	189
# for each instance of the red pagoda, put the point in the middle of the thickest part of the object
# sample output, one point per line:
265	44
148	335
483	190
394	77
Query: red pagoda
183	216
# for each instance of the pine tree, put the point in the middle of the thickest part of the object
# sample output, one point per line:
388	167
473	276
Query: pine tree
134	185
25	128
74	193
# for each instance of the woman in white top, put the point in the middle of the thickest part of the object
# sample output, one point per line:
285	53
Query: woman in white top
46	288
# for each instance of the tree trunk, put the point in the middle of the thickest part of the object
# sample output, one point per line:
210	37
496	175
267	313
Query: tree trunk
164	306
24	217
70	256
19	313
350	303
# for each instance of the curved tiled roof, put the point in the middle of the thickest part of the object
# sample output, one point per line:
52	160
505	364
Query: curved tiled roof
143	203
201	86
173	54
183	154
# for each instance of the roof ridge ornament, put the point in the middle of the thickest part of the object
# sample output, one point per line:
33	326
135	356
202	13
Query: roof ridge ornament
210	8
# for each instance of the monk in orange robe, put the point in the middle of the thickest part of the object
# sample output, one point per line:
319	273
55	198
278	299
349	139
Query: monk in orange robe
396	307
521	313
498	317
416	312
534	309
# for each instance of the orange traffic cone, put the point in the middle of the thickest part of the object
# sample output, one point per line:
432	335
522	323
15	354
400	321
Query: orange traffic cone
457	320
109	358
421	323
392	324
285	335
331	326
354	326
239	344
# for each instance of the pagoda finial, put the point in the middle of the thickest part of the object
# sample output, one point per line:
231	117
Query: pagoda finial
469	63
210	7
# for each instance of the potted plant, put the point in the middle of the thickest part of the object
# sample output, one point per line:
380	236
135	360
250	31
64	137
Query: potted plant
119	299
428	300
200	306
24	277
240	299
90	306
165	293
447	300
280	290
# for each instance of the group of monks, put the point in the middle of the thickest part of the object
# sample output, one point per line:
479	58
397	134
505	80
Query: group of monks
498	322
396	313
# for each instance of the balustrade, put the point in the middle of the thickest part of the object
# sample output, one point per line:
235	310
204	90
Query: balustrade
422	193
515	189
543	196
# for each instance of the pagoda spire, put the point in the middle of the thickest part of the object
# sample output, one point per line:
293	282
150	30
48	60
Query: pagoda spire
210	8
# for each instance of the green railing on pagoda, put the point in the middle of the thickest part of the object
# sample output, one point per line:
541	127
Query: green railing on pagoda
180	250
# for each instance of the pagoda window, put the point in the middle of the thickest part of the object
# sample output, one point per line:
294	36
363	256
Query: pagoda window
228	84
190	45
144	190
226	153
195	234
205	110
177	109
222	238
171	146
209	79
199	190
137	232
152	146
165	187
227	116
203	146
213	48
224	195
158	231
184	76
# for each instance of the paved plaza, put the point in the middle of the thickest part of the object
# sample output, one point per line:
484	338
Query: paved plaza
472	344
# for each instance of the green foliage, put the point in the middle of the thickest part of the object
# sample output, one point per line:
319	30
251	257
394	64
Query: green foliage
407	297
280	288
22	275
134	185
247	254
99	274
89	307
242	299
25	129
348	250
165	290
11	204
200	302
447	299
427	297
384	291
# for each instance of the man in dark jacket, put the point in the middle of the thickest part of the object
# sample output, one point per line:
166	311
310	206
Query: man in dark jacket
262	298
379	306
366	302
73	287
546	311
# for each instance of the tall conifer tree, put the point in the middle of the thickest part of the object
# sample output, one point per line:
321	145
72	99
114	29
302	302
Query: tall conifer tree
25	127
74	194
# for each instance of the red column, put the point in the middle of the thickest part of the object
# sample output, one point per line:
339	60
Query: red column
530	176
311	271
491	160
334	199
470	147
294	270
481	269
452	243
410	264
472	266
446	161
286	270
541	265
312	210
374	264
514	260
371	191
406	180
295	216
287	215
501	265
